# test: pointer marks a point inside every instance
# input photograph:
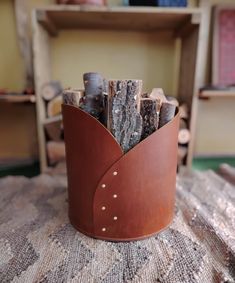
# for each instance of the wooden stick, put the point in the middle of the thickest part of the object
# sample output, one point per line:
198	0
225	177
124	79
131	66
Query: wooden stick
150	115
73	97
167	113
124	121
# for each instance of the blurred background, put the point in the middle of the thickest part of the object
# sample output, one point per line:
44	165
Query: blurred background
187	48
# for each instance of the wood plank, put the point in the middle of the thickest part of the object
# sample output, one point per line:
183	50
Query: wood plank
24	39
116	18
42	74
46	22
18	98
217	93
200	75
52	119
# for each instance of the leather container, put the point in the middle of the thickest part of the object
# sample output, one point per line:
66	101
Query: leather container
116	196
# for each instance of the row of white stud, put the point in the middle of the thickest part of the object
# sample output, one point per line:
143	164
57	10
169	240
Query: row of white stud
114	196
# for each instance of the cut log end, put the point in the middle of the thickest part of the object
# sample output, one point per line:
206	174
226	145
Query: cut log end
54	106
50	90
73	97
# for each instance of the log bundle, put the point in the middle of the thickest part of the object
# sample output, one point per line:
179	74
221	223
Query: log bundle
121	107
51	94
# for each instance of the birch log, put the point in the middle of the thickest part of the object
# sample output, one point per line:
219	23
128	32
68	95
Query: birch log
150	115
124	121
93	100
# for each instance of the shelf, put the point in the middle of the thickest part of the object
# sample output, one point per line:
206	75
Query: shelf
18	98
52	119
217	93
56	17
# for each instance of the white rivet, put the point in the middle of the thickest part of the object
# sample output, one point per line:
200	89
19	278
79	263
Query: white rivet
115	218
103	208
115	173
103	185
114	196
103	229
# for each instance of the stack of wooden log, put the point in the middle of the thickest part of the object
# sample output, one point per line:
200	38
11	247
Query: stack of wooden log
184	134
120	106
51	93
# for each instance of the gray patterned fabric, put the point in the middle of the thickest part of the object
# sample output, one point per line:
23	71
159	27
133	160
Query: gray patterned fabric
37	243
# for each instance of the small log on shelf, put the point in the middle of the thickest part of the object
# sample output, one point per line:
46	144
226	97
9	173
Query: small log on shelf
55	151
184	133
53	128
50	90
150	115
124	120
93	102
182	152
54	106
73	97
167	113
183	111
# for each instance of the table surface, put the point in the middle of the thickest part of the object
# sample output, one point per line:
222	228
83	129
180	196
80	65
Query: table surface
37	243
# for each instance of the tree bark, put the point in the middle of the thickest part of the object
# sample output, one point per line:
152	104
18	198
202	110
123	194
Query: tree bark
149	110
124	121
93	102
167	113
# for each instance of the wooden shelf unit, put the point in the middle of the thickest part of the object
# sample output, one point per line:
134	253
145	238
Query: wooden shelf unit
187	24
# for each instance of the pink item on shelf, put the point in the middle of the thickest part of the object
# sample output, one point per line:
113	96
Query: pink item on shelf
224	46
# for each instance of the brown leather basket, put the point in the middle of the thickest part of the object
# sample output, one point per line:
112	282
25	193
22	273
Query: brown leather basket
116	196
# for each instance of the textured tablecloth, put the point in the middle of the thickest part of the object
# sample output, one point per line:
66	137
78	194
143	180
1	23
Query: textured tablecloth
37	243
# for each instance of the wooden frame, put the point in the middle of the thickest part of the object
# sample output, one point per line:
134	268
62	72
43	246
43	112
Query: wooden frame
185	24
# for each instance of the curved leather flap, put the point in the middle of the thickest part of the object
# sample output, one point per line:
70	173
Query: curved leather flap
115	196
139	190
90	151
